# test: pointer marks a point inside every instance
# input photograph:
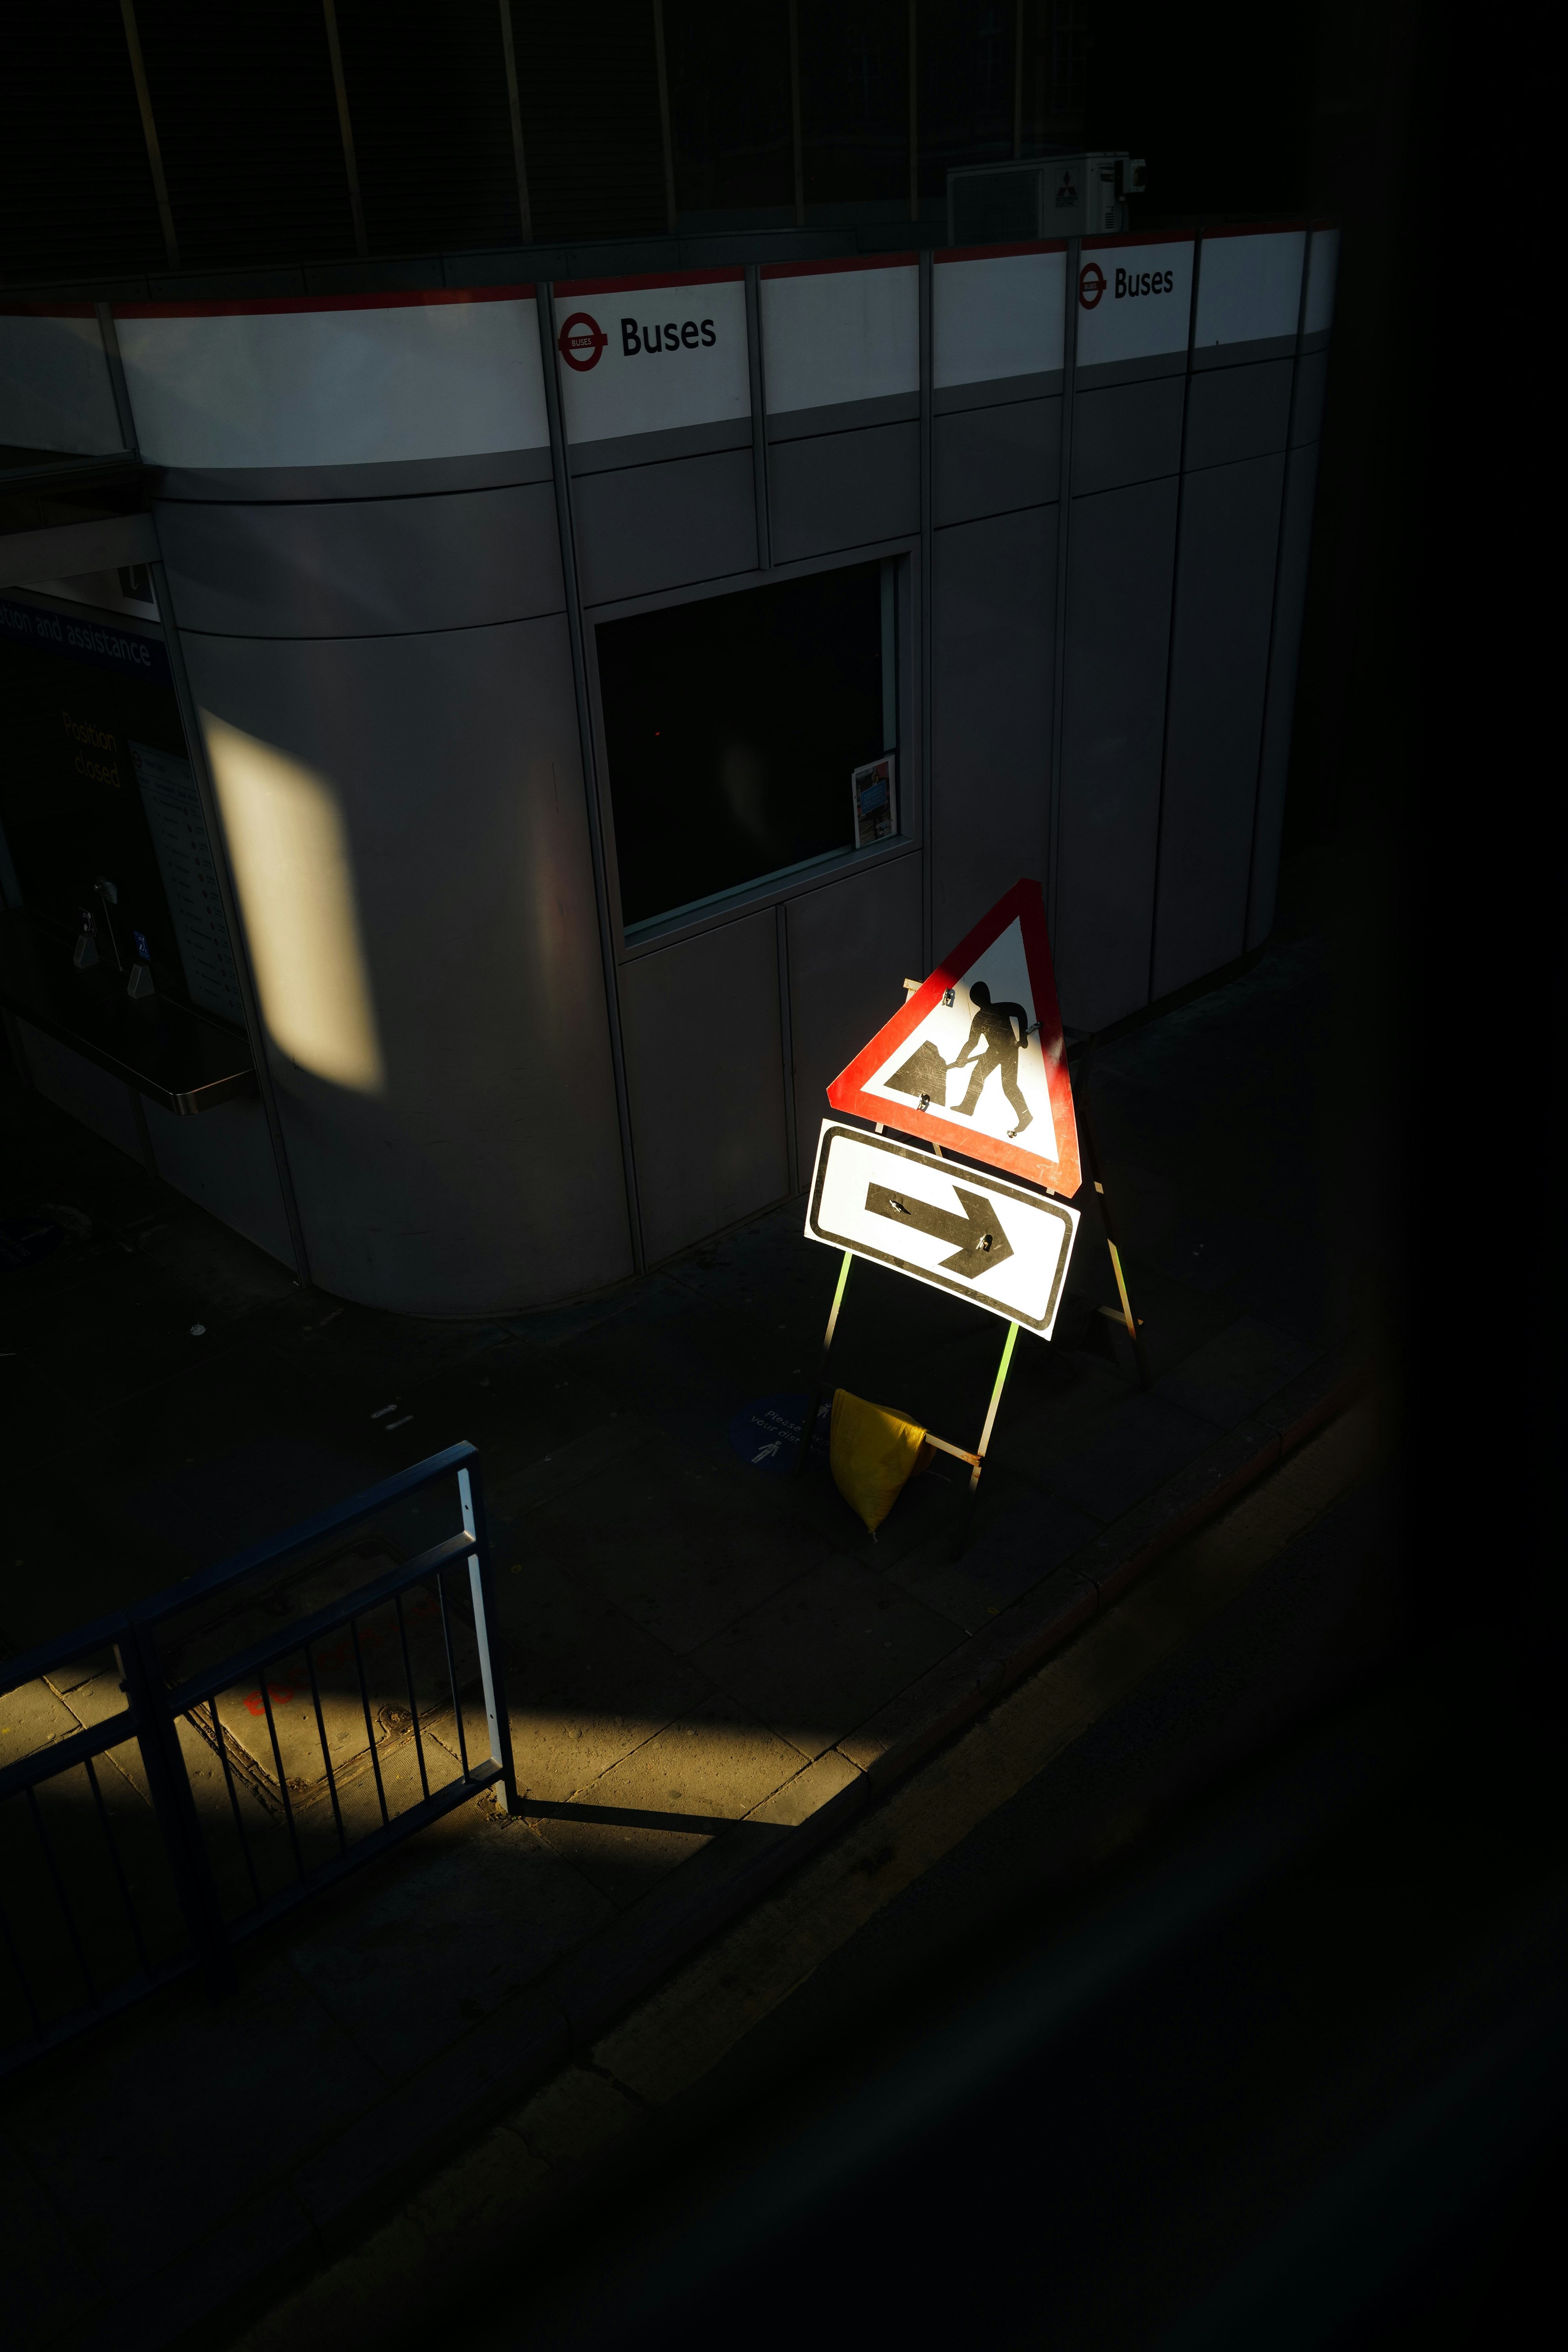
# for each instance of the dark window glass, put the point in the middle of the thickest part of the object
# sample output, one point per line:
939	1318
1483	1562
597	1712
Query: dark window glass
588	93
729	104
732	727
432	122
248	125
96	787
967	68
855	99
76	190
1056	71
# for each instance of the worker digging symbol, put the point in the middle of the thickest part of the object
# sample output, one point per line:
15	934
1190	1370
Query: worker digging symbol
926	1075
993	1026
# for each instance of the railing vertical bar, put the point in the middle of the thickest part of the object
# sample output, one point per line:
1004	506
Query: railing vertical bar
369	1726
234	1799
174	1801
278	1760
481	1595
61	1895
413	1695
115	1863
452	1670
326	1758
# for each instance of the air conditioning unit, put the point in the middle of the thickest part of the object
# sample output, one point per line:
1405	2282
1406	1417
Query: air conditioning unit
1049	195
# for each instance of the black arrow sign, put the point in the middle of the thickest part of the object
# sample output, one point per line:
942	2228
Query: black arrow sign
981	1244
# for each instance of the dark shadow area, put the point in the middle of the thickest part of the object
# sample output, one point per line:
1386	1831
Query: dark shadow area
1293	2073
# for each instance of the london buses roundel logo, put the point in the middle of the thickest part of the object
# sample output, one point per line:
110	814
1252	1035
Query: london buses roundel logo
1090	285
583	341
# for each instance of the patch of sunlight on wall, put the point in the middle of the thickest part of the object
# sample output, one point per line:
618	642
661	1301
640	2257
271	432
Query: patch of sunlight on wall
290	852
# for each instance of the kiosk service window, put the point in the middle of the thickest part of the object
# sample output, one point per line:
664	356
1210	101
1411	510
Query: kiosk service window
734	726
100	824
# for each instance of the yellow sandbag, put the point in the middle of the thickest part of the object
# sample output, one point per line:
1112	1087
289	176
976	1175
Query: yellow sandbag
874	1453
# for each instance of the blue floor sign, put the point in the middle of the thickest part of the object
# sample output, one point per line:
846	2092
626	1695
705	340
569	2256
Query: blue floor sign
767	1433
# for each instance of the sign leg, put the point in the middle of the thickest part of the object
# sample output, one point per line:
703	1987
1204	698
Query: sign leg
1091	1155
813	1403
997	1386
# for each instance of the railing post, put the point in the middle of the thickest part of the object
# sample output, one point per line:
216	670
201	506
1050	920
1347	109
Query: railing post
174	1806
481	1586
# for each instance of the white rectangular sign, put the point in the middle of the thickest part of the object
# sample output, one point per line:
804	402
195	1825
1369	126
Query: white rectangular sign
942	1224
1249	286
334	381
1321	270
650	354
839	330
997	315
1134	299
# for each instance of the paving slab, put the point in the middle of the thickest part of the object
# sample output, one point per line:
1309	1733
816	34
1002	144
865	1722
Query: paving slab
681	1548
621	1856
578	1711
53	2273
260	2085
793	1805
1018	1539
1249	1360
716	1764
827	1651
417	1954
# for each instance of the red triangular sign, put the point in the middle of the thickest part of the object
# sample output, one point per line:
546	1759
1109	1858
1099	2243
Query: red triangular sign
948	1069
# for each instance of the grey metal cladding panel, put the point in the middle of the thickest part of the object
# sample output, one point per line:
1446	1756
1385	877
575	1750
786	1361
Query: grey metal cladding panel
650	527
363	567
1118	629
1219	655
1148	368
989	461
656	448
705	1076
851	945
844	490
842	416
995	391
1236	412
1311	383
993	617
1284	653
1126	433
80	1089
224	1161
397	477
1260	347
484	1175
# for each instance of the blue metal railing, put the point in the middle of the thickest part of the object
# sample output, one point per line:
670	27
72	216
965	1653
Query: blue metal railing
54	1939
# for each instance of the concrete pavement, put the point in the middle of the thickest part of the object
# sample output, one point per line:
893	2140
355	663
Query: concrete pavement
710	1667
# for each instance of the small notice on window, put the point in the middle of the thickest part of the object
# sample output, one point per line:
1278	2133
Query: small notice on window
876	794
179	834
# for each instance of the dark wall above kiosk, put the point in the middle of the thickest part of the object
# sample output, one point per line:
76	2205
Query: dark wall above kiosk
532	1021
